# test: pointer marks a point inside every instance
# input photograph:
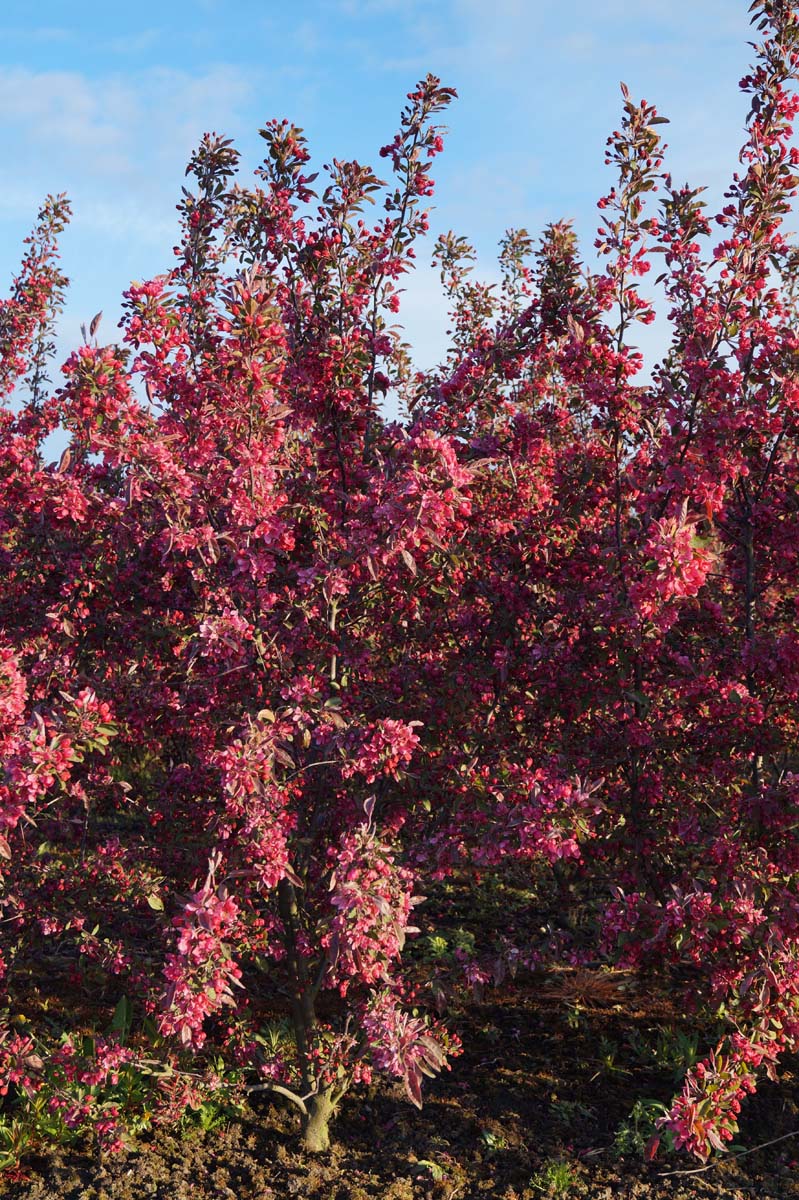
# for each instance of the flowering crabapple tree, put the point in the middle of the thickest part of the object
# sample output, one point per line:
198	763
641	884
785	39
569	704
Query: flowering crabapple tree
208	716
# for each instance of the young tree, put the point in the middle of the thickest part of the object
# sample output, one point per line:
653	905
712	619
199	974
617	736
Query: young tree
207	718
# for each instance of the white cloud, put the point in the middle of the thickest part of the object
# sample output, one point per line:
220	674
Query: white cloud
115	127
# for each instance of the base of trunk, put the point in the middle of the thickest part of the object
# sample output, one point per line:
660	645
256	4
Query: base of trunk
316	1126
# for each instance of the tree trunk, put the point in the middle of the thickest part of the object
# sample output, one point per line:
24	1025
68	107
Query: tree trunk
316	1126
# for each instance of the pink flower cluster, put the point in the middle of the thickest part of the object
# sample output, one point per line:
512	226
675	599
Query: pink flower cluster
371	896
200	975
401	1045
387	746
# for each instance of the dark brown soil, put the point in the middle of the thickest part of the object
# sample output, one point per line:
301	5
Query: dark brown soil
534	1107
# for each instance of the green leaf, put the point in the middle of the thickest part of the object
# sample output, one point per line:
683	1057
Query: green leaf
122	1018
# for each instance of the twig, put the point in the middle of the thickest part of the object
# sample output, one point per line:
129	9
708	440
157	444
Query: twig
741	1154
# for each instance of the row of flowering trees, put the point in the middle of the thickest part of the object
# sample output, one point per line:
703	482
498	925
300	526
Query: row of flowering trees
269	658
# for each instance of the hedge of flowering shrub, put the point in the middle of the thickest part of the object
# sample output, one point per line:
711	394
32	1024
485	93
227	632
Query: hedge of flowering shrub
269	659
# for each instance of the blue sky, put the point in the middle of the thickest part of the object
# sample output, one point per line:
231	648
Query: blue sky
105	102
